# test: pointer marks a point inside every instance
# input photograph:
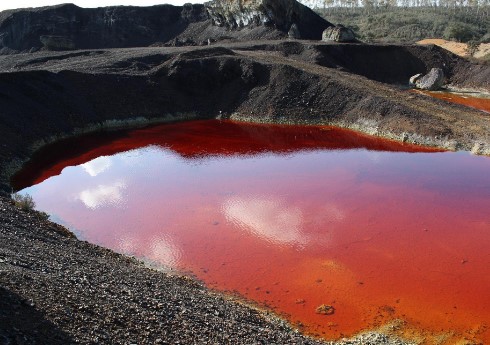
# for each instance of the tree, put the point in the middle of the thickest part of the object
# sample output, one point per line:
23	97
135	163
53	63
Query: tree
458	32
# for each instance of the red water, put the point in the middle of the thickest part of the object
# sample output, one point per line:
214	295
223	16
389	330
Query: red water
481	103
290	217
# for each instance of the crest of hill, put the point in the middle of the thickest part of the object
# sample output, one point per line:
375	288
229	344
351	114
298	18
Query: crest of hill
67	26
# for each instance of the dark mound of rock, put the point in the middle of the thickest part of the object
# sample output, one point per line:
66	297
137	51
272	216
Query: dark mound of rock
82	28
66	27
281	14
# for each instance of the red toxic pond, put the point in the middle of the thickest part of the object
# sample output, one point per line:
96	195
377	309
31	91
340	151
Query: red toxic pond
481	103
289	217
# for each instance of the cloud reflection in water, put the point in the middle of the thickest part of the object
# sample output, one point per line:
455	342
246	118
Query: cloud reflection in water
164	251
276	221
103	195
268	218
161	250
97	165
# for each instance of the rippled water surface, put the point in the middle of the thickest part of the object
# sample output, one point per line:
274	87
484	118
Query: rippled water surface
290	217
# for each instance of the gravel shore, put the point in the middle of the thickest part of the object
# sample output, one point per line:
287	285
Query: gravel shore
55	289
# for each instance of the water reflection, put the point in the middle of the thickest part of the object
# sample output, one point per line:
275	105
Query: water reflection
268	218
292	217
97	165
164	251
279	221
103	195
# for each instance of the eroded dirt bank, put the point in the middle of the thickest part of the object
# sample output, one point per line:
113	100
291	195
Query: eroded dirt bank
72	291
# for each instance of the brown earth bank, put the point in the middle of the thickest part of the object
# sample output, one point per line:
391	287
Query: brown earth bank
71	291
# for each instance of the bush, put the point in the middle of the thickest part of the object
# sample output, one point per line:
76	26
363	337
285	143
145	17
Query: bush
472	47
24	202
459	32
485	38
42	215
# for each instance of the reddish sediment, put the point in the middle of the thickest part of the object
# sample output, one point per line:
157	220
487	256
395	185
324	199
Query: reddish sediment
480	103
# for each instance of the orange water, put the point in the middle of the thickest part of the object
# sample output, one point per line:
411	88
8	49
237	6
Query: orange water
289	217
480	103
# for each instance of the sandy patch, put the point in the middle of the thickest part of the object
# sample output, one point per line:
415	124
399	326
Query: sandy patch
457	47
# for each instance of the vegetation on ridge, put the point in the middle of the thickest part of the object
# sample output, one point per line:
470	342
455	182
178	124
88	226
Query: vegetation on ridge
24	202
411	24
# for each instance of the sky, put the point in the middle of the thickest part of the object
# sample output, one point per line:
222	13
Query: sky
9	4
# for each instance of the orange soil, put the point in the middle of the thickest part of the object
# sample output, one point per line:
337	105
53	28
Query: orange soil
457	47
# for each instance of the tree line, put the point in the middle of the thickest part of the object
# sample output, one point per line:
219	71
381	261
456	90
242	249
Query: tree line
378	22
367	4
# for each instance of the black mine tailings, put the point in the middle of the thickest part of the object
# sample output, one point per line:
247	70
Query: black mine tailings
68	27
105	27
48	94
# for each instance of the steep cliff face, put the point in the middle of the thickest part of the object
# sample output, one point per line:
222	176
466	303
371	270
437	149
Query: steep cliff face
65	27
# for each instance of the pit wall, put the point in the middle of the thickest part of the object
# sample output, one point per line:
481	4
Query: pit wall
389	63
39	107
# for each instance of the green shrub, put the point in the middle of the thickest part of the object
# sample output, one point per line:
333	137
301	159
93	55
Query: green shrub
42	215
459	32
24	202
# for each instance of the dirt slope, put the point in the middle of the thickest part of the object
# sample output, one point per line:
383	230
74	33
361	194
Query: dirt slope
46	95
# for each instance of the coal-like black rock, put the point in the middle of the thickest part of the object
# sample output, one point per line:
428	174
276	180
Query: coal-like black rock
65	27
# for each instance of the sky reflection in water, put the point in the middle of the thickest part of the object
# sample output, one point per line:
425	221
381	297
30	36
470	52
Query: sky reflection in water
285	217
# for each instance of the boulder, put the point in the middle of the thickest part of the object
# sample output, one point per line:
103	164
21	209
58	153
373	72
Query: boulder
414	78
431	81
294	32
338	33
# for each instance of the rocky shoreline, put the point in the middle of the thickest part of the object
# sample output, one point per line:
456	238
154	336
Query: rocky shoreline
59	290
56	289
